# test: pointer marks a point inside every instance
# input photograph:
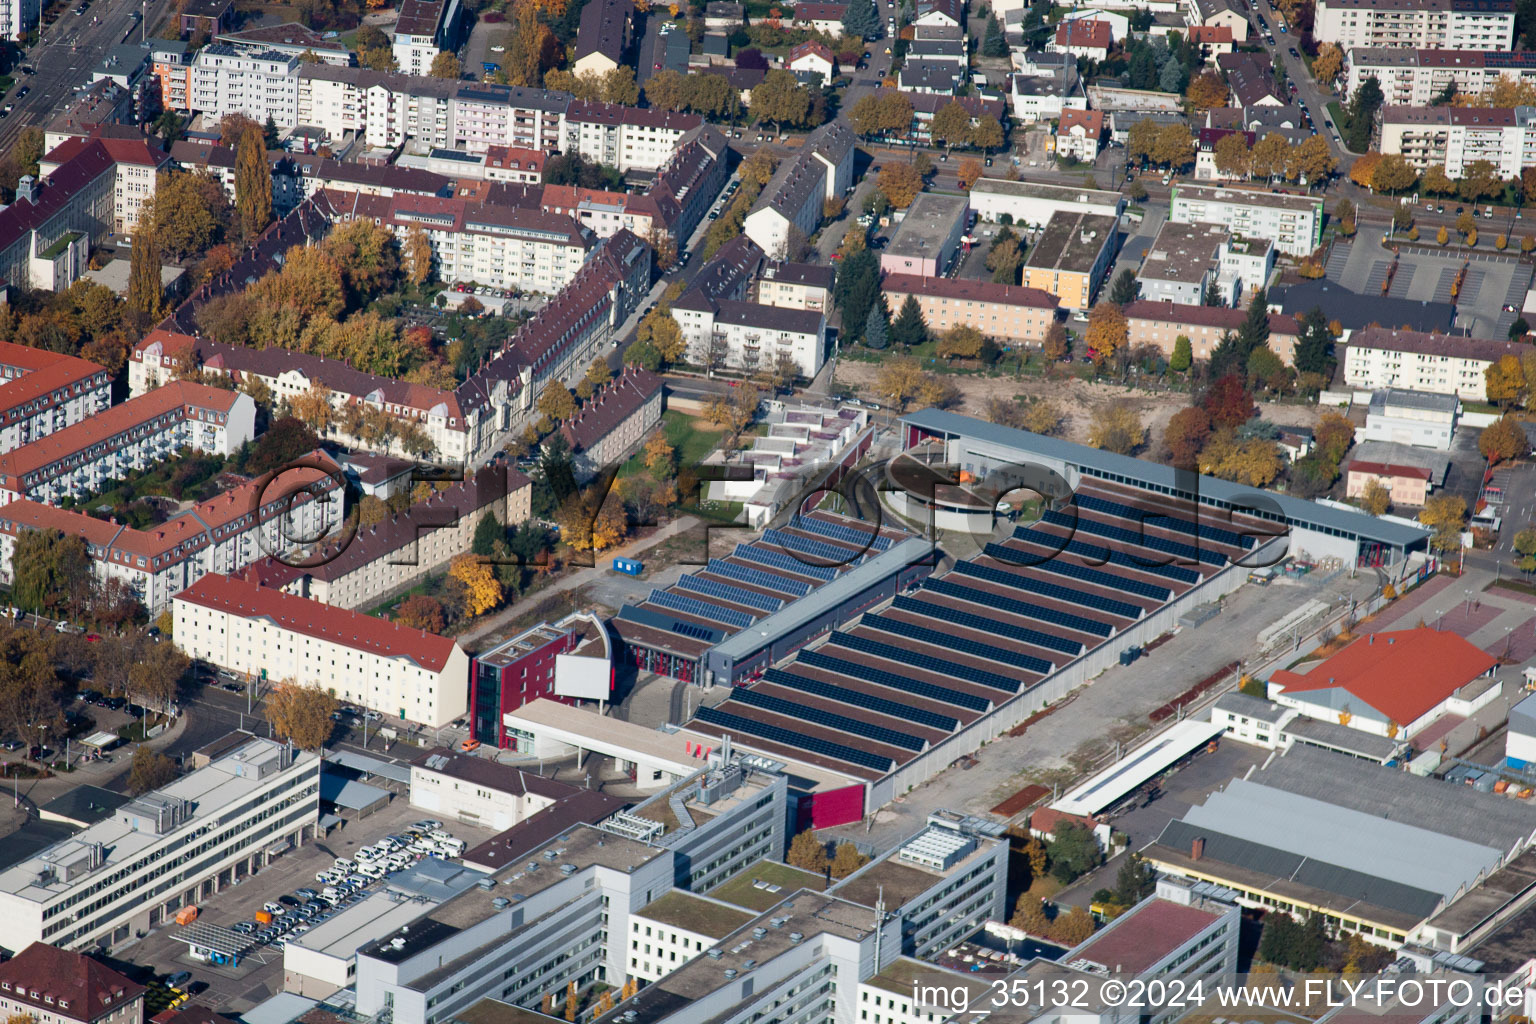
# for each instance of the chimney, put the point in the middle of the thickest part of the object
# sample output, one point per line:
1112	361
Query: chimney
1371	640
1197	848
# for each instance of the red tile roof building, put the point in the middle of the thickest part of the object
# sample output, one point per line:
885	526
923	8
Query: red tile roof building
1079	133
1005	312
42	392
510	163
223	534
409	675
78	460
1391	684
1406	485
192	1013
1083	38
1161	324
59	987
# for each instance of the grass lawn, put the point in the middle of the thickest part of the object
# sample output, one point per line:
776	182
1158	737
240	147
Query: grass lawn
1515	585
740	890
427	586
1336	113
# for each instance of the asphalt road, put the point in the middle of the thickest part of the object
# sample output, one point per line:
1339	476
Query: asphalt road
69	50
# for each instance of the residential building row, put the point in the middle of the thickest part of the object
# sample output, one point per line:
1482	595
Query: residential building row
277	515
1160	324
1380	357
791	204
43	392
612	423
1420	24
1456	137
135	435
1416	77
258	632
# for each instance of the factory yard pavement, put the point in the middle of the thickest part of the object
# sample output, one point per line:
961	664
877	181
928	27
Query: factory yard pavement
1112	708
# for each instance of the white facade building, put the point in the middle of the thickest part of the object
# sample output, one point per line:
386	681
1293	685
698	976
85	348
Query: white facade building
627	138
165	850
407	674
1378	357
1455	137
461	787
1419	418
1424	24
260	86
1293	223
748	335
1031	204
822	169
1411	77
42	392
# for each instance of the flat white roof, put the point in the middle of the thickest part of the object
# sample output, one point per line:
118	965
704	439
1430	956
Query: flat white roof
1114	783
359	925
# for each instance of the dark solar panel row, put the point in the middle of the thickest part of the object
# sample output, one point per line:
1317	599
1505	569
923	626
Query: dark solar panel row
827	720
981	623
758	578
869	538
988	599
657	619
1062	567
837	751
779	560
726	592
1095	553
880	677
858	698
1045	588
1162	521
831	554
926	662
1138	538
960	645
701	609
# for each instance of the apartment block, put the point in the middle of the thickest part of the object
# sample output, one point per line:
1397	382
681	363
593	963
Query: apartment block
57	986
18	17
167	849
79	459
1160	324
1378	357
1425	24
1003	312
502	246
1455	137
614	421
424	29
259	85
1183	263
256	520
171	66
795	286
1293	223
42	392
261	633
361	569
749	335
627	138
1415	78
792	200
1072	257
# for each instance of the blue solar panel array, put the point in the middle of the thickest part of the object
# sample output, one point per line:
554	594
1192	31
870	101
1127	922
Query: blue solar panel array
828	720
1095	553
790	738
987	599
960	645
870	538
1163	520
938	666
981	623
702	609
758	578
880	677
1138	538
1045	588
832	554
726	592
860	699
779	560
1107	580
660	620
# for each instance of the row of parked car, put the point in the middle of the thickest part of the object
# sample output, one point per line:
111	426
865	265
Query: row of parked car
347	882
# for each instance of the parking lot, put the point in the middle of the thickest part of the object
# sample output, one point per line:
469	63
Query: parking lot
1493	280
260	973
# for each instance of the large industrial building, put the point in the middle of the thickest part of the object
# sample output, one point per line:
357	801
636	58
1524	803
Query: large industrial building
746	610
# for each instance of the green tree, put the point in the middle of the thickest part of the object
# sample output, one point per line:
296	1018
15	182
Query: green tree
149	769
1182	356
1126	288
1005	257
253	185
861	20
1360	116
1135	881
877	326
1314	348
910	328
144	291
992	42
857	287
1073	852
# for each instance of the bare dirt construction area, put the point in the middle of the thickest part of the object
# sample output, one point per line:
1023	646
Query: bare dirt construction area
1077	399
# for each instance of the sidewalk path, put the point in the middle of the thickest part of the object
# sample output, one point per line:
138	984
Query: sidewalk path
579	578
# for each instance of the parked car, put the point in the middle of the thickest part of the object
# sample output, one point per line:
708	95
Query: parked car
288	901
427	824
275	909
243	927
307	894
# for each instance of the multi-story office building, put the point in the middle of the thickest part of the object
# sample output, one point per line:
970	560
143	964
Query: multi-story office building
45	984
260	632
1378	357
550	660
271	515
1415	78
1455	137
1001	311
624	137
43	392
77	460
502	246
1293	223
1429	24
165	850
258	85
